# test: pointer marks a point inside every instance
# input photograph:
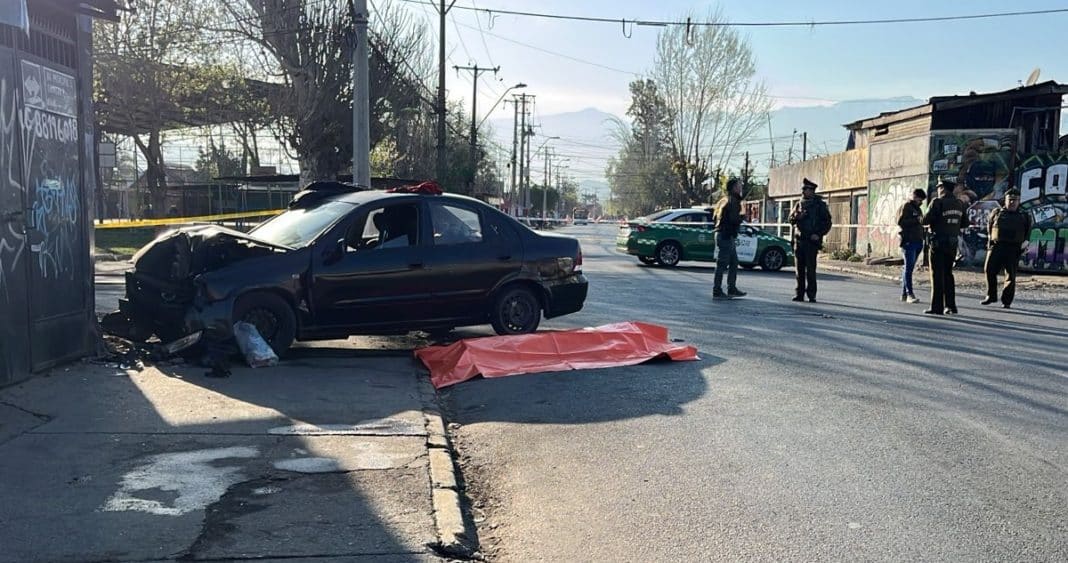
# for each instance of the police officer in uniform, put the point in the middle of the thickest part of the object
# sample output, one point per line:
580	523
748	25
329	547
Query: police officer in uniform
1008	227
812	221
728	223
945	218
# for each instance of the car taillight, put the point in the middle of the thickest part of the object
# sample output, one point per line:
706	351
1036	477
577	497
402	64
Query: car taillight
578	260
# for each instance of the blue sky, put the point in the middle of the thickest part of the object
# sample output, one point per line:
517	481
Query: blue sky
834	63
594	62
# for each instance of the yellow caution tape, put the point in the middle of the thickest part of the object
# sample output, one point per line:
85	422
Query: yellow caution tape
126	224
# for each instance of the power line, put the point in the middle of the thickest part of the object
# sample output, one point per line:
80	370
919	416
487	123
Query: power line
812	23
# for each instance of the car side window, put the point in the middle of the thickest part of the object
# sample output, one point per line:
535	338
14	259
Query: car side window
454	224
392	226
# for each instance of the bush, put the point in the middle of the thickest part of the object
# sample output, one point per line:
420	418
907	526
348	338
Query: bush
842	254
856	258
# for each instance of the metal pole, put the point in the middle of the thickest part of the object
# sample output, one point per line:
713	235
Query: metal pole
361	113
441	92
804	145
523	145
545	188
515	144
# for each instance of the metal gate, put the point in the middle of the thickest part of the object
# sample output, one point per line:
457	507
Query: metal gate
46	287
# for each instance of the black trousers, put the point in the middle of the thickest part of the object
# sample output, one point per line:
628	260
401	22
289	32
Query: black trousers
943	286
805	255
1002	257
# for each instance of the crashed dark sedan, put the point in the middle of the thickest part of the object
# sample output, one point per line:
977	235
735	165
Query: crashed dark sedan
341	263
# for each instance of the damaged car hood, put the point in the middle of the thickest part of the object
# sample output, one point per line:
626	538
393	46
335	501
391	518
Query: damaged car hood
183	253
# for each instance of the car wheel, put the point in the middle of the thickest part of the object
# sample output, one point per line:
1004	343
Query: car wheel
773	259
271	315
669	253
516	311
647	260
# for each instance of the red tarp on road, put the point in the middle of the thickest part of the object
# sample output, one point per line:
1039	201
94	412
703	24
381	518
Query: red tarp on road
619	344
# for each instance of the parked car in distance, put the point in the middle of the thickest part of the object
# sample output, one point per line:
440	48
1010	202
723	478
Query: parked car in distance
342	262
670	236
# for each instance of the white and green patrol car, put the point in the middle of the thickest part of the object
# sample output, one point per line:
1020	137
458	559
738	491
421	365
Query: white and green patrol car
670	236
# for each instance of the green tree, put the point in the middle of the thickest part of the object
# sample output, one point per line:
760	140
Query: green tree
215	161
641	173
150	68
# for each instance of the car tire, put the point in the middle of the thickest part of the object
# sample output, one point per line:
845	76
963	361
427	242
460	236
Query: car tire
669	253
271	315
647	260
773	259
516	311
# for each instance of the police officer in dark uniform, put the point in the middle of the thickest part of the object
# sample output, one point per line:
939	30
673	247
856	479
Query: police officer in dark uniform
945	218
812	221
1009	228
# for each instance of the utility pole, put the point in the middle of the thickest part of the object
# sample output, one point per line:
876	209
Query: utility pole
361	113
515	145
474	120
524	152
545	186
441	89
804	145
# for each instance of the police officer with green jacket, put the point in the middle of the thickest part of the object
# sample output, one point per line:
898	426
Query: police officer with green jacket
812	221
1008	229
945	218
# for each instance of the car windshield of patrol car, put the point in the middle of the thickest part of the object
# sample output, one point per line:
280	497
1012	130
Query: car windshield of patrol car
297	228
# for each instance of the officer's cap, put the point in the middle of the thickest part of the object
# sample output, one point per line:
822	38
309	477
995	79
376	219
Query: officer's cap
947	182
807	184
1013	194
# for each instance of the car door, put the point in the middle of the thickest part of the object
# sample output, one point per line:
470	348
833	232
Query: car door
696	235
371	270
746	244
473	250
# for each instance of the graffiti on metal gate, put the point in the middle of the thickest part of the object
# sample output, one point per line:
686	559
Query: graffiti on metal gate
12	237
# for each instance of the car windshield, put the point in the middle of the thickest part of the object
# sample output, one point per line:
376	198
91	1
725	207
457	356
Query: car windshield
655	216
299	227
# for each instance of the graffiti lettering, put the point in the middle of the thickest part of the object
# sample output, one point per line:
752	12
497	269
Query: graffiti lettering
49	126
1046	249
55	216
12	241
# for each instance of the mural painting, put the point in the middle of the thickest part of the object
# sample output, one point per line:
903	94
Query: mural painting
981	162
1043	180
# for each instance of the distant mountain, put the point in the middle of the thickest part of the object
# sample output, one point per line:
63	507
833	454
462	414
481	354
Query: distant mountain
825	124
586	136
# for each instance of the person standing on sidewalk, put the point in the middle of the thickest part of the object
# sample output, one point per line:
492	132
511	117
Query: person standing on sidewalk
1009	227
945	218
728	223
812	221
910	219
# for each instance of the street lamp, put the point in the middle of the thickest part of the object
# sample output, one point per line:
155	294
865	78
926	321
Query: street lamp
495	104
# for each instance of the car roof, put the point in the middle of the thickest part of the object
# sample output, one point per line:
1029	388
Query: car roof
368	196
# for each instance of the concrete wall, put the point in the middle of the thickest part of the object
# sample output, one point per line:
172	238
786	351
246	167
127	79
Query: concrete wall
837	172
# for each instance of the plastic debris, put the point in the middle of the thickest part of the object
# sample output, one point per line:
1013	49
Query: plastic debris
257	352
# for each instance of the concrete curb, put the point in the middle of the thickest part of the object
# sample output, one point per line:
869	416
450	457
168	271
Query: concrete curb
454	537
859	272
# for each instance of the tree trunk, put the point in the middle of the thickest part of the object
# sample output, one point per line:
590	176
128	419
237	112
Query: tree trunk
155	174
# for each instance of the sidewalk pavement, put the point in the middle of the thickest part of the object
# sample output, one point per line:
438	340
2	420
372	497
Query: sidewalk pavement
965	277
335	454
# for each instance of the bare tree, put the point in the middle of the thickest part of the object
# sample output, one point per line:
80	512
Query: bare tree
151	68
706	77
310	44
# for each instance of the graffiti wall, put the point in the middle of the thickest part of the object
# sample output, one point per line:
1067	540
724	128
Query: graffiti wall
50	140
1043	180
14	314
885	198
981	162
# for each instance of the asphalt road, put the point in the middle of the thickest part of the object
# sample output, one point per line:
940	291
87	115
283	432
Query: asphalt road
852	429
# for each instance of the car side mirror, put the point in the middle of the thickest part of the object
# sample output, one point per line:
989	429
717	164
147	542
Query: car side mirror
334	252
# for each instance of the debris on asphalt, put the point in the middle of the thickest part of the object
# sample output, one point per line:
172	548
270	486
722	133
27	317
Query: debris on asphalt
619	344
257	351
